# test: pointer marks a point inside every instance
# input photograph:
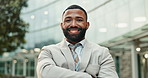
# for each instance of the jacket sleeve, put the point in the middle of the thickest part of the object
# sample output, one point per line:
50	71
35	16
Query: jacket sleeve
46	68
107	66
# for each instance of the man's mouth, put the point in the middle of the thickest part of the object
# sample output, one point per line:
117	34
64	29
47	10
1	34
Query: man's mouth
74	30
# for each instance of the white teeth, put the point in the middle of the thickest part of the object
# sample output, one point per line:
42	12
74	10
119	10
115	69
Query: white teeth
73	31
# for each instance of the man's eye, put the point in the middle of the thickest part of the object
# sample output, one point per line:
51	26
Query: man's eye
79	20
67	20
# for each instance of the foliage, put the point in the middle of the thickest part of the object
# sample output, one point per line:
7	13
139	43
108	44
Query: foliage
12	27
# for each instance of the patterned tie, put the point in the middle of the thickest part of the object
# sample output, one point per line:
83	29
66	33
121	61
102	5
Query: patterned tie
75	55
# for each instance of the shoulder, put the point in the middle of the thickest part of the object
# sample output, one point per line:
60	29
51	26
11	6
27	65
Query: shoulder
52	46
96	46
49	46
49	50
101	51
98	49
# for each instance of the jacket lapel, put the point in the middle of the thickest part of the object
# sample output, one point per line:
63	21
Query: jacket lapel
67	54
86	53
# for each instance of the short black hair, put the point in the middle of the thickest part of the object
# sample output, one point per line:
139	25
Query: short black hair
76	7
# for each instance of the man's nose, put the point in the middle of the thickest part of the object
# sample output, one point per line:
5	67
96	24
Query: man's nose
73	24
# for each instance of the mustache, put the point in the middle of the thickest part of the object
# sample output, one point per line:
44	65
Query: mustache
79	28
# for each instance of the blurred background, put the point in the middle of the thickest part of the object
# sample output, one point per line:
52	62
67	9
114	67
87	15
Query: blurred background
28	25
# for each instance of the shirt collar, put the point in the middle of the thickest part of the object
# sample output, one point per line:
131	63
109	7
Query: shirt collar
81	42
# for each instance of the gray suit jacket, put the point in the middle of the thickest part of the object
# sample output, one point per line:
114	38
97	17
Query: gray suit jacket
56	61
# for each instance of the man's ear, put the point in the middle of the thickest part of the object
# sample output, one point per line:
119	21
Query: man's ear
87	25
61	25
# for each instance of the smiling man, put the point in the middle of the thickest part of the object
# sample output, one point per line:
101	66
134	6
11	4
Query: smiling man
74	25
75	56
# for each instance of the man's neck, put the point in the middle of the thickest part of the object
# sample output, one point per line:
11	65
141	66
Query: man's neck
73	42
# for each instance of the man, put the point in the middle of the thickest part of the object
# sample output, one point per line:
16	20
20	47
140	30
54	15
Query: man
75	57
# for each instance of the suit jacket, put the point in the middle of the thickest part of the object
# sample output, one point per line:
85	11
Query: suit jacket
56	61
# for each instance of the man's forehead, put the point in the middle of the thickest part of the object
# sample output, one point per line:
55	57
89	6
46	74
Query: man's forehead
70	11
75	12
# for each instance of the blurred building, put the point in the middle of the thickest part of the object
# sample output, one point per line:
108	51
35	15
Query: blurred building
120	25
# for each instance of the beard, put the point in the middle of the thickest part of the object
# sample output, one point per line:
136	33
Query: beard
74	37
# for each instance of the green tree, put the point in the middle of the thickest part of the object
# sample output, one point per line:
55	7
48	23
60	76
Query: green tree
12	27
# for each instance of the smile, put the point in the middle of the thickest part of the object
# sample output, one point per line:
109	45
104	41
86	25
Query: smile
74	31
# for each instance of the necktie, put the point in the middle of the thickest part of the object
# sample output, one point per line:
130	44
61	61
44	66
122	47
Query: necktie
75	55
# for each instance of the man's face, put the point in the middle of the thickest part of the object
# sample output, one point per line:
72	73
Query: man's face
74	25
